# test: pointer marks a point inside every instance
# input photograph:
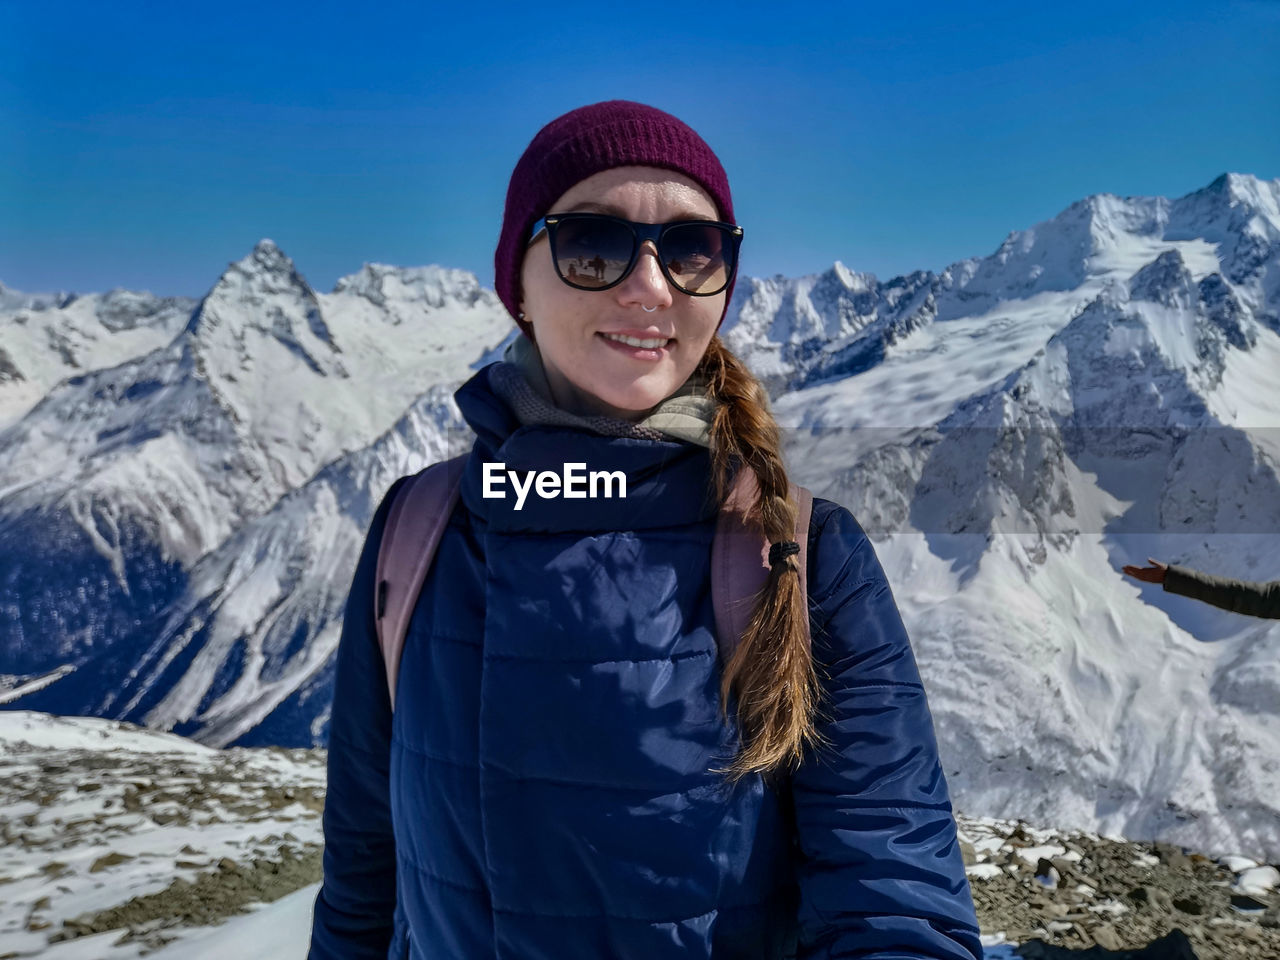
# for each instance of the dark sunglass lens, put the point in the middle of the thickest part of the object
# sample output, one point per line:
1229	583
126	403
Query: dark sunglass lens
697	256
592	253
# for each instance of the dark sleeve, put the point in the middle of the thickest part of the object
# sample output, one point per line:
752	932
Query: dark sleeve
881	875
1238	596
354	911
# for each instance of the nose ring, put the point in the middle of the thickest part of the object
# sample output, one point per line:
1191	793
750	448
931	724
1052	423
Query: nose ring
647	309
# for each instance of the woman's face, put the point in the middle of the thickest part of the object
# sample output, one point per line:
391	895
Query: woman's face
589	370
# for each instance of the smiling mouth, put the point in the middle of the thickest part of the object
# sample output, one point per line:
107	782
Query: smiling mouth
646	343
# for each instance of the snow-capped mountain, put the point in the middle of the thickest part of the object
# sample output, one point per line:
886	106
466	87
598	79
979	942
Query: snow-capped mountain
829	325
1011	462
1011	430
797	332
45	339
244	653
121	479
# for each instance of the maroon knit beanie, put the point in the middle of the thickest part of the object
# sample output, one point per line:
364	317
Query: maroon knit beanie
582	142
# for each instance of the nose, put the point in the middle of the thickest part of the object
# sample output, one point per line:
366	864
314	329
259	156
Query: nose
645	285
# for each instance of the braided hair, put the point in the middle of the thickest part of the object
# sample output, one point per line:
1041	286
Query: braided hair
771	673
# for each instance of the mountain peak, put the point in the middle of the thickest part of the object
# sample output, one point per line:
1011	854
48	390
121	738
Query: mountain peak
1221	183
1108	216
265	271
1239	185
1230	190
851	280
1238	212
262	292
266	257
432	286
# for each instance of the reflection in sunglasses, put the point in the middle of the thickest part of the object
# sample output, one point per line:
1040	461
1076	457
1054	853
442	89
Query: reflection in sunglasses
710	270
597	251
694	272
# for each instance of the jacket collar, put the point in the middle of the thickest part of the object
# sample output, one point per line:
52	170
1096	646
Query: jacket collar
667	479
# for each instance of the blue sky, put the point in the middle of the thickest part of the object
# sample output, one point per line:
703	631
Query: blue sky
145	145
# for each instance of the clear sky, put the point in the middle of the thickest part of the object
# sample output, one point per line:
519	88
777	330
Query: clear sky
145	145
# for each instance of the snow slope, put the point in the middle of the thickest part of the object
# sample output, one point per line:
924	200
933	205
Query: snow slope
96	814
244	653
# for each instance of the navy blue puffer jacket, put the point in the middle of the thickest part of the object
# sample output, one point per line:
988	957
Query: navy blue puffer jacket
544	790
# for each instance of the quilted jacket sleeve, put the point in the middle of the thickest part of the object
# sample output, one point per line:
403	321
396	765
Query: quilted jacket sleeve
354	911
880	872
1238	596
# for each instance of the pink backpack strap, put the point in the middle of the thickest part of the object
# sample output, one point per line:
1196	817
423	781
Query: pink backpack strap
419	513
740	559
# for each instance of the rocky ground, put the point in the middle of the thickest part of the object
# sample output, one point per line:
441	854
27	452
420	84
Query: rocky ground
107	827
1080	891
127	840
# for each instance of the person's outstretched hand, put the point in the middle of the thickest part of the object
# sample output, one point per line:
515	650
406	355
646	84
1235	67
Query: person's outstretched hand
1151	574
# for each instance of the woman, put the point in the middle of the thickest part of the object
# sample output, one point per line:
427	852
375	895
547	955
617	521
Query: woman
562	776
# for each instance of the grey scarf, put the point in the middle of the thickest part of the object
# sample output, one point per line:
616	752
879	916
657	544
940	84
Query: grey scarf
521	381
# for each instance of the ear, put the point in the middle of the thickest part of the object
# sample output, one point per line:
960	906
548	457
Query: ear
524	323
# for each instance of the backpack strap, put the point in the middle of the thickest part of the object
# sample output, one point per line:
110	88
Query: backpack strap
740	559
419	513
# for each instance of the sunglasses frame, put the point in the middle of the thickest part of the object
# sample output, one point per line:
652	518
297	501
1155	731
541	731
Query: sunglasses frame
640	232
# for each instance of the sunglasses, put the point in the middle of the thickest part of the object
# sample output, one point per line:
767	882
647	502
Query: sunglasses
595	251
